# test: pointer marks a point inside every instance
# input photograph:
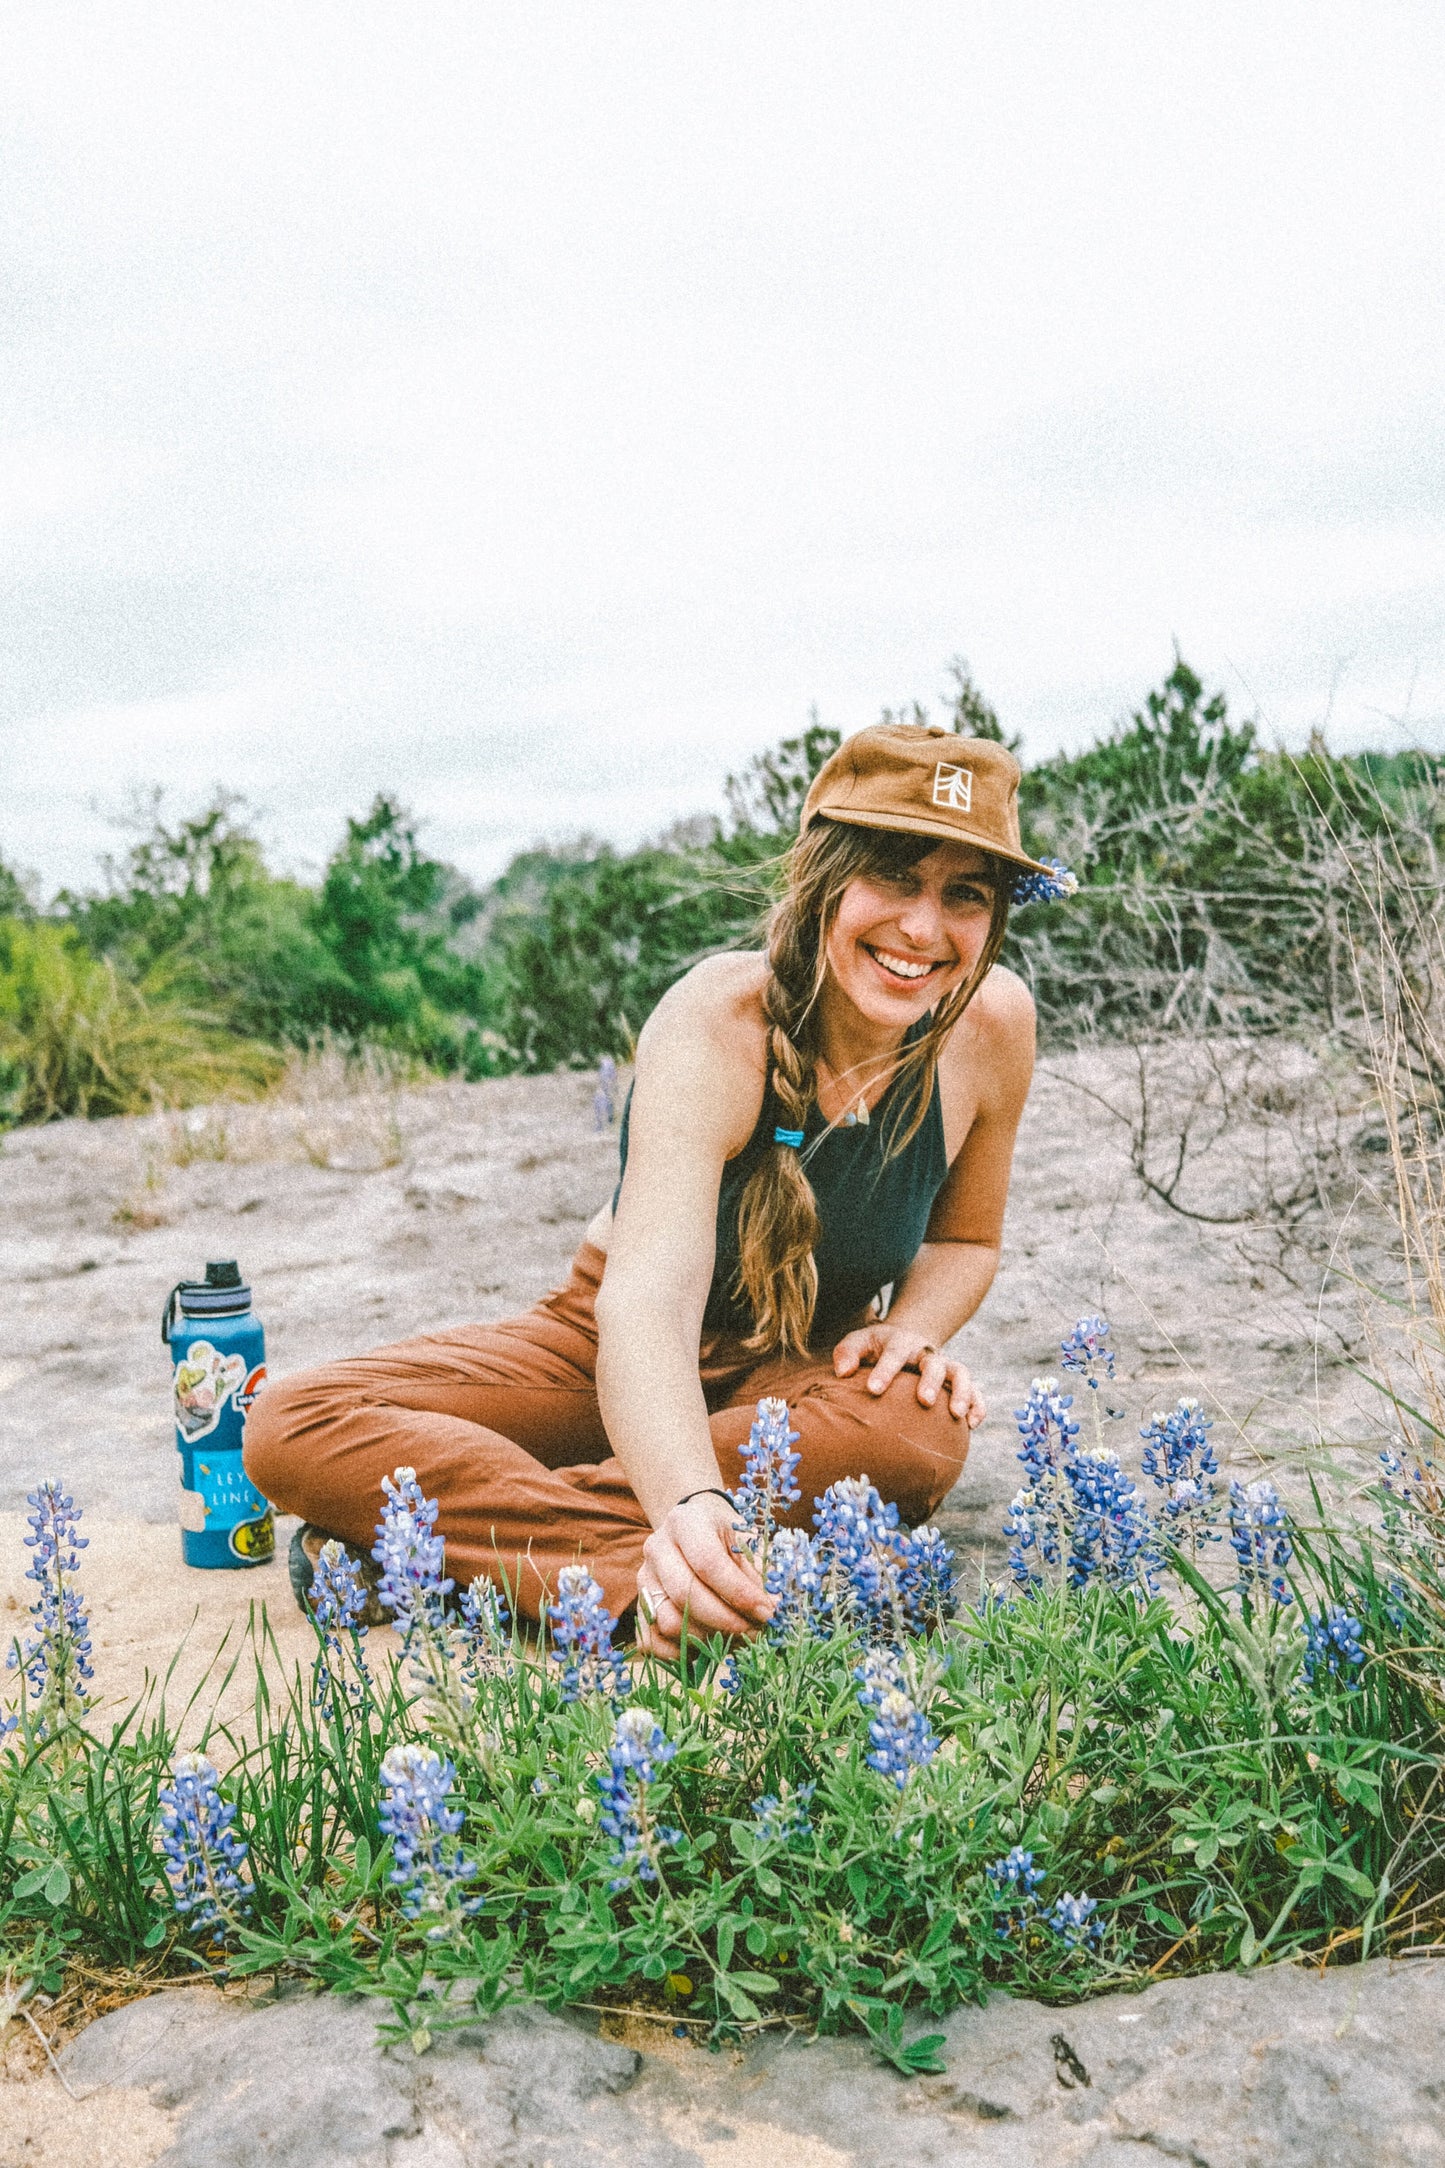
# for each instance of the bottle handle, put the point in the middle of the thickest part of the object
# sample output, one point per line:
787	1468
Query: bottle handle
168	1314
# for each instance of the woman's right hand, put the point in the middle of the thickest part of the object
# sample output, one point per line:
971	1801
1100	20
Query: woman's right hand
691	1571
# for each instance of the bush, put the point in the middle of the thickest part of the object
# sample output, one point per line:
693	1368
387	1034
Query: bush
77	1038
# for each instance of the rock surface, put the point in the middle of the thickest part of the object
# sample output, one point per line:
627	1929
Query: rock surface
1281	2069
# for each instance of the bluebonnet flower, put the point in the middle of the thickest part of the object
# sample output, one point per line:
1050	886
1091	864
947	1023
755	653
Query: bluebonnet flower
1258	1538
1015	1875
202	1854
794	1576
55	1657
1111	1535
1016	1878
338	1599
1084	1351
1072	1920
726	1678
603	1109
428	1867
1020	1526
409	1552
1041	1511
1333	1644
863	1554
783	1820
484	1631
881	1672
1414	1501
640	1747
902	1737
769	1469
928	1588
582	1630
1052	887
1179	1459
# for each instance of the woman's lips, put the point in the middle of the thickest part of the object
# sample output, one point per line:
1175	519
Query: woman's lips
904	970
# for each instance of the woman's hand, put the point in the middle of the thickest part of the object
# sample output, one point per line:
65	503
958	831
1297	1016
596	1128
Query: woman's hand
690	1569
891	1348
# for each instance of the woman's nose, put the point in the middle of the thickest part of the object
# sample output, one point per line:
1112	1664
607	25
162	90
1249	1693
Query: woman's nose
918	921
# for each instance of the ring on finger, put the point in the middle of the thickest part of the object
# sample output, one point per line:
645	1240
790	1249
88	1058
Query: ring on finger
650	1602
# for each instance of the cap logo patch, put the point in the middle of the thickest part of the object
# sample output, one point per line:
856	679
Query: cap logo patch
953	787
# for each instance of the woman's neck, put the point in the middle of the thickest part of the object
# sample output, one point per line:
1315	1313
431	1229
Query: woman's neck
858	1054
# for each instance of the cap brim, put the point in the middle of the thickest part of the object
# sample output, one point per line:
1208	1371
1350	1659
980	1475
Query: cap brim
918	824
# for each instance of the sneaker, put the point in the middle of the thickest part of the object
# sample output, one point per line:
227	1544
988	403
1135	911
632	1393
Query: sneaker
301	1561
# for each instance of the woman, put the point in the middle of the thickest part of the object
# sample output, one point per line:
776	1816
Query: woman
808	1128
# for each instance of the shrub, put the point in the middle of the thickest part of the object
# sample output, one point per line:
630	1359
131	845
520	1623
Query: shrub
78	1038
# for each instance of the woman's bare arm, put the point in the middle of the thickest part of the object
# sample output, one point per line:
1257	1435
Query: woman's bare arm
698	1088
984	1078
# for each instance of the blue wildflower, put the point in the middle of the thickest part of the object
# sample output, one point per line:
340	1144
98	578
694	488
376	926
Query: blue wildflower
784	1820
1084	1352
794	1576
1111	1534
409	1552
861	1548
202	1854
484	1631
640	1748
902	1737
55	1657
1015	1878
1055	886
338	1599
1333	1644
427	1865
928	1587
1258	1537
604	1109
1179	1459
582	1630
1047	1433
1072	1920
769	1469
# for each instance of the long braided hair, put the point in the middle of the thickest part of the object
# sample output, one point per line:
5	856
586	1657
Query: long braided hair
778	1213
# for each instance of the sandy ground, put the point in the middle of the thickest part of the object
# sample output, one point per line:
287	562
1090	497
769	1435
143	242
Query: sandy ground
366	1216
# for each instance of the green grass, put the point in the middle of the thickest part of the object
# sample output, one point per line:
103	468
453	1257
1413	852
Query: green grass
1165	1758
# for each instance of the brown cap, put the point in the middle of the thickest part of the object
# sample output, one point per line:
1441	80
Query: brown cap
924	780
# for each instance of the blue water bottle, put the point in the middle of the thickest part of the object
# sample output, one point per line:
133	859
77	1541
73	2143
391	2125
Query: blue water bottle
218	1365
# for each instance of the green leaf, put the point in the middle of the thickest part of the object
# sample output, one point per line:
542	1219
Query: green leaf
768	1882
726	1935
550	1860
155	1935
756	1983
57	1885
29	1883
1248	1945
857	1879
741	2003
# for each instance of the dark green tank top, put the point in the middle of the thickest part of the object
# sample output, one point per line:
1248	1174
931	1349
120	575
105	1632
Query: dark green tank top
872	1212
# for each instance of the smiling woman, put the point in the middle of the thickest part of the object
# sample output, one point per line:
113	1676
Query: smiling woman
809	1128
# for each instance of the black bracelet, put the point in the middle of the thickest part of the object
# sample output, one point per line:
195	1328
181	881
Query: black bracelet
709	1490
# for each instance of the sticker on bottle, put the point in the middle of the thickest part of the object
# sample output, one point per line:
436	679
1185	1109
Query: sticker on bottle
255	1541
227	1494
204	1382
249	1390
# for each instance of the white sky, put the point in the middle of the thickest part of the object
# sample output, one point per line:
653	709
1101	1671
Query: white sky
533	408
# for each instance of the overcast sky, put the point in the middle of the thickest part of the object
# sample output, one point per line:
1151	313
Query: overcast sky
534	408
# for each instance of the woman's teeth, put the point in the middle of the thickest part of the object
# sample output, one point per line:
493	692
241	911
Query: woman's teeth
900	967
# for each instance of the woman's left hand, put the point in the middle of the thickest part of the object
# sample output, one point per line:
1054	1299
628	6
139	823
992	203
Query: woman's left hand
887	1349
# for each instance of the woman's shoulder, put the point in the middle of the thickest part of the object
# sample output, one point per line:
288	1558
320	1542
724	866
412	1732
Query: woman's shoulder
995	1034
713	1011
720	999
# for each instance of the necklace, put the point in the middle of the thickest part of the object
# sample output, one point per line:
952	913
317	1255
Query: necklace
857	1117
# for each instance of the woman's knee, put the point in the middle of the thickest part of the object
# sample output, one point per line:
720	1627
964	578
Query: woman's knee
270	1443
